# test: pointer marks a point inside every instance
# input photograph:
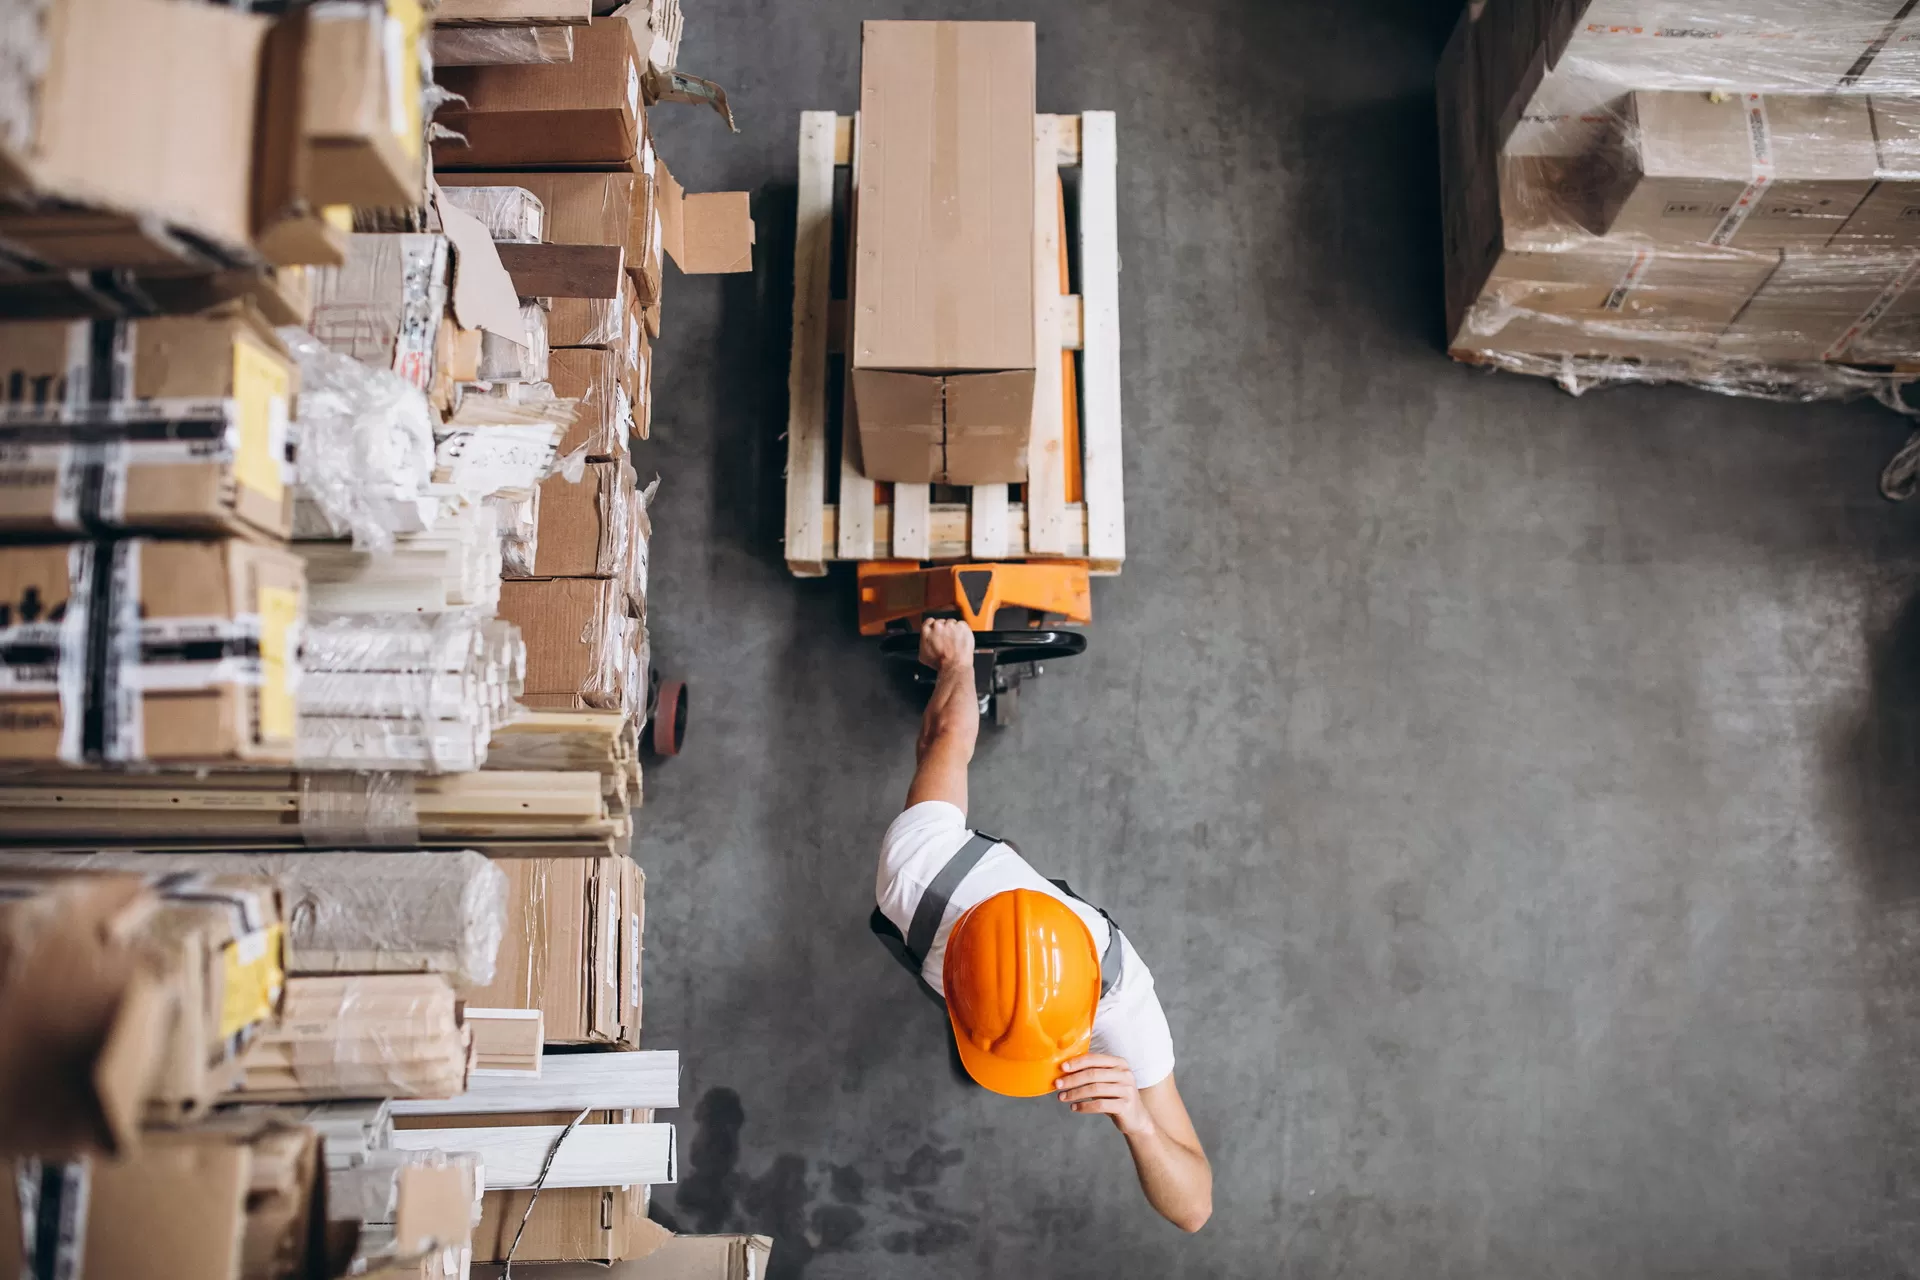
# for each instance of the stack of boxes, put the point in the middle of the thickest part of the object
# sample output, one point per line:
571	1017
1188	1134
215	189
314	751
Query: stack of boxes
1719	195
277	414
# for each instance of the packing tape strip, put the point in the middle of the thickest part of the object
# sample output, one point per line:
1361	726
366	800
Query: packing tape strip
1878	308
53	1199
1760	140
358	810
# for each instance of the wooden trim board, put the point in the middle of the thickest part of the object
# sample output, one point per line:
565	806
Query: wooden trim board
593	1155
567	1082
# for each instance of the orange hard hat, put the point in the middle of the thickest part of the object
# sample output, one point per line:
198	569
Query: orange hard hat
1022	979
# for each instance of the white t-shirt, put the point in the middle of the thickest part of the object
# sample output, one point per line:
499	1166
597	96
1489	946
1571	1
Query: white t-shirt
1129	1022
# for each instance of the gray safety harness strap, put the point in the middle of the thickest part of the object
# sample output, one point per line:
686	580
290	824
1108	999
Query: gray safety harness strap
912	950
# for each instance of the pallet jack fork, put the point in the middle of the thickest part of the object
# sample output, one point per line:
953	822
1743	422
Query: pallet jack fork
896	596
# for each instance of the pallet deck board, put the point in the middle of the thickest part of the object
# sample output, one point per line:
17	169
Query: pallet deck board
901	521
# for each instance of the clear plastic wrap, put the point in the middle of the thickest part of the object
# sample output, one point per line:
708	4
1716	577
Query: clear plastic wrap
407	692
592	376
503	360
501	46
349	810
351	912
389	1035
580	642
519	533
510	214
385	304
1726	195
363	441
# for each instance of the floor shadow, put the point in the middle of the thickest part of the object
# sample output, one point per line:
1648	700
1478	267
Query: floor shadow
1874	771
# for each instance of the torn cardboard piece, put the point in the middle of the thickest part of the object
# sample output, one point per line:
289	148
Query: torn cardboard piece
709	233
483	296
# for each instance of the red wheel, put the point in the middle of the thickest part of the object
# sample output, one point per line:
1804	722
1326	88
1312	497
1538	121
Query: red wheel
669	726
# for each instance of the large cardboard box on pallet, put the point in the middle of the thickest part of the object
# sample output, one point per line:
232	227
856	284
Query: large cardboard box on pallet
943	245
203	451
150	651
584	114
1745	171
1889	218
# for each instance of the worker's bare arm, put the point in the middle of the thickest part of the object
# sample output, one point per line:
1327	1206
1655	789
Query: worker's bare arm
1167	1155
952	723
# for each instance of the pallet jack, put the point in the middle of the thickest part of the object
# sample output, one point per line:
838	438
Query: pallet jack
1015	610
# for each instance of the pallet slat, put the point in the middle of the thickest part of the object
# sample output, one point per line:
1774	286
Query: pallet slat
900	520
807	375
1100	339
856	541
1046	450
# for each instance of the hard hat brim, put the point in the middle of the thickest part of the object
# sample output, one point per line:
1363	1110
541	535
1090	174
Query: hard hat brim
1006	1077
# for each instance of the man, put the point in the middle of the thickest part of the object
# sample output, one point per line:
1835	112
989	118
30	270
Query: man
1044	993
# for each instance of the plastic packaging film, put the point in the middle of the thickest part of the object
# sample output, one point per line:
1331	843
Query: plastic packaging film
438	912
407	692
503	360
349	810
364	441
1723	194
511	214
359	1035
501	46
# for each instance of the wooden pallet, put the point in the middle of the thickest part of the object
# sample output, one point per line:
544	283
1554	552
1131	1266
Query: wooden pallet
851	523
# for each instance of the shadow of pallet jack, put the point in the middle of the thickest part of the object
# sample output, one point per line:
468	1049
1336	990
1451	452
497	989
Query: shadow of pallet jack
1015	611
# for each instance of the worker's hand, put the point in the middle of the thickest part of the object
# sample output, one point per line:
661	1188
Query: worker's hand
946	643
1101	1084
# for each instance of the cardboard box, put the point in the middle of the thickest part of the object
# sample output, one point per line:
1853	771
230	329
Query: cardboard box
707	233
198	644
511	213
667	1257
203	450
384	306
565	950
1823	305
579	639
593	208
173	140
584	114
1800	166
1611	299
291	226
583	526
364	96
174	973
943	279
1889	218
84	1017
241	1198
569	1224
594	377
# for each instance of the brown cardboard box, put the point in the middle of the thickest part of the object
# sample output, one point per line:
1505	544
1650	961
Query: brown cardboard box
1822	304
943	333
581	114
385	305
702	1258
593	376
363	104
1687	159
1889	218
211	682
1607	298
570	1224
593	208
213	947
579	639
291	226
562	950
84	1017
168	465
172	140
583	527
706	233
241	1198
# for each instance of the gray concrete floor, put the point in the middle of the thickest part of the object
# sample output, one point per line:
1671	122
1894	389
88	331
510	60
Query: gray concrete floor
1515	795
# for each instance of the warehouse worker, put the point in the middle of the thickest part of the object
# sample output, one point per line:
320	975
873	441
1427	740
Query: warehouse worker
1043	991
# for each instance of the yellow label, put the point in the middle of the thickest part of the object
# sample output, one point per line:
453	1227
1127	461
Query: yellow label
279	619
338	216
255	972
405	21
261	389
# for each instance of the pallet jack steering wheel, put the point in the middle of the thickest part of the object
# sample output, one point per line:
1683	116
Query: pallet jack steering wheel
1001	661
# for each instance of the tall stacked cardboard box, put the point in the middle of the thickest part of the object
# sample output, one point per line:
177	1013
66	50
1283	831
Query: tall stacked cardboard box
1635	190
